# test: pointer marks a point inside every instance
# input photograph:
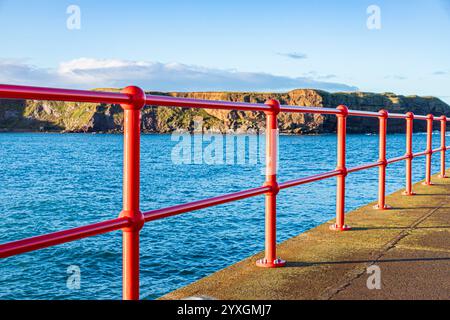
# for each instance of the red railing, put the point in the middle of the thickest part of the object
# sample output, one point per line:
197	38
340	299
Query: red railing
131	219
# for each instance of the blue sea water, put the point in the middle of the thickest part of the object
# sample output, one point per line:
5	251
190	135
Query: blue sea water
51	182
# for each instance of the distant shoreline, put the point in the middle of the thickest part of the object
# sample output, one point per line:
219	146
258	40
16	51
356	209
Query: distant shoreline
53	116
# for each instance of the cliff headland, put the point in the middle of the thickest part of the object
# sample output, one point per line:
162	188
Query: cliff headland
30	115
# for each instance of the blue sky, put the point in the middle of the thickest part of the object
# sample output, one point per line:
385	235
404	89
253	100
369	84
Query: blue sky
229	45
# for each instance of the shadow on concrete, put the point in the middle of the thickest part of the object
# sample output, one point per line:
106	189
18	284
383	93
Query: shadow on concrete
414	208
296	264
432	194
396	228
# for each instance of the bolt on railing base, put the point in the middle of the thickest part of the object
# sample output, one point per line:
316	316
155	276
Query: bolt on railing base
335	227
264	263
409	194
427	183
386	207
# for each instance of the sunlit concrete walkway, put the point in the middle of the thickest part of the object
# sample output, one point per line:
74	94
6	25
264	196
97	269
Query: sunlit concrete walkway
410	244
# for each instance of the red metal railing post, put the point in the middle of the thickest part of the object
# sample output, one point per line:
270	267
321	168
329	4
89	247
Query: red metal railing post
443	146
131	181
430	119
409	153
270	259
341	166
381	205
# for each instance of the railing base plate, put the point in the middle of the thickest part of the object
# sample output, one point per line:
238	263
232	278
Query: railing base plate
335	227
277	263
386	207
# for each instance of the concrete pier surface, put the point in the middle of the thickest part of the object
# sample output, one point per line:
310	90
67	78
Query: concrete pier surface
409	243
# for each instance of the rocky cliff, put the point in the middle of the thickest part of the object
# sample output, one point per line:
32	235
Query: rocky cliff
29	115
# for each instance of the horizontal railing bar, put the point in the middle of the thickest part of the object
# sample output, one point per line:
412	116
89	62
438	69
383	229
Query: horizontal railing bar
202	204
364	167
418	117
359	113
317	177
51	239
317	110
207	104
420	154
397	116
42	93
436	150
397	159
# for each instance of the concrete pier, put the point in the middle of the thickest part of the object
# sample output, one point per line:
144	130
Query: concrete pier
410	244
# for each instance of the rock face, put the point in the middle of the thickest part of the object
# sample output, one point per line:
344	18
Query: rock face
33	115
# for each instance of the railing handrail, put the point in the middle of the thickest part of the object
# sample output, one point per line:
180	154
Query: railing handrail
131	219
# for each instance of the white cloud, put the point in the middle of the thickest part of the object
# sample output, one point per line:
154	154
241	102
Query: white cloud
395	77
90	73
15	71
294	55
88	64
